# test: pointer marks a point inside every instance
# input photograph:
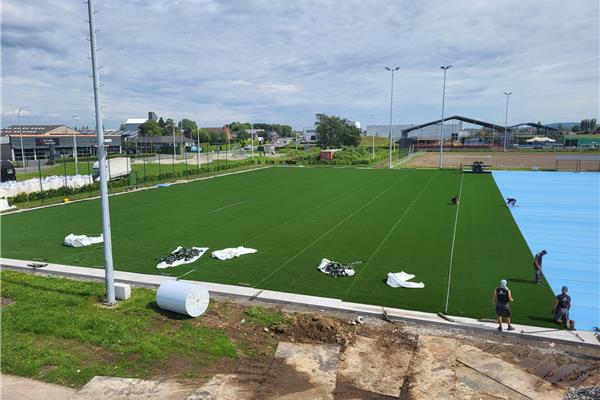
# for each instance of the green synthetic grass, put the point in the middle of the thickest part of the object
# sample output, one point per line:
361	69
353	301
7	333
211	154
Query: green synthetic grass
392	220
57	331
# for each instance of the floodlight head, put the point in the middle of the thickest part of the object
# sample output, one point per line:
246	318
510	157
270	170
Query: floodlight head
445	67
508	93
388	68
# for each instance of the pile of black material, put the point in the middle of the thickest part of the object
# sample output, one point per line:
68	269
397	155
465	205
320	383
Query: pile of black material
336	269
585	393
477	166
181	254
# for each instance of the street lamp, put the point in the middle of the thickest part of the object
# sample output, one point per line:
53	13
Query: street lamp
392	70
75	118
21	137
506	119
252	132
445	68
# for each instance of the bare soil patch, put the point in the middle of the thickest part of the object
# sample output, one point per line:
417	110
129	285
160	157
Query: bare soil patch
500	160
5	301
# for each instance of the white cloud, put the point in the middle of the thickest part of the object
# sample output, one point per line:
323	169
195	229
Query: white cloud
216	61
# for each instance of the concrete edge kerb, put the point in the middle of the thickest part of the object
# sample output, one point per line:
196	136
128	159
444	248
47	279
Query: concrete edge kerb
313	302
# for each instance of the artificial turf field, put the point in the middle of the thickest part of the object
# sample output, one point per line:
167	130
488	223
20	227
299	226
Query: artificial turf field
392	220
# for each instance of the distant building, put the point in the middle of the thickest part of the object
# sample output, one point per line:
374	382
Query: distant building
132	124
309	134
451	130
53	141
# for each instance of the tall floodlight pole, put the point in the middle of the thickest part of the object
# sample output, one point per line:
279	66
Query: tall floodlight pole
444	68
506	119
174	144
21	137
108	259
373	137
392	70
252	145
75	118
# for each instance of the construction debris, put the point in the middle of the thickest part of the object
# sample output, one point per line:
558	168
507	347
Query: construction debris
180	256
586	393
336	269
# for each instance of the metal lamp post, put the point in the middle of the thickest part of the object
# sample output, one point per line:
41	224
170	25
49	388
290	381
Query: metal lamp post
75	117
21	137
252	145
392	70
445	68
108	259
506	119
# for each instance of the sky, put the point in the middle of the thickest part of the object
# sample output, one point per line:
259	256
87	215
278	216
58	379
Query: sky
284	61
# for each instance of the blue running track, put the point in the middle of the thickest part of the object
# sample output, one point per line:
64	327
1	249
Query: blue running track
560	212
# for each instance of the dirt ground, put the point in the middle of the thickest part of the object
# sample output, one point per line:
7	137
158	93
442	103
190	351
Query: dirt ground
501	160
383	360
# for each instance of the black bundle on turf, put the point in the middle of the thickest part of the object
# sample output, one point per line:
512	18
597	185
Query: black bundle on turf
336	269
181	254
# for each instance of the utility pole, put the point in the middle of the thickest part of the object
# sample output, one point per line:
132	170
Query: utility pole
108	259
392	69
21	137
75	117
506	119
444	68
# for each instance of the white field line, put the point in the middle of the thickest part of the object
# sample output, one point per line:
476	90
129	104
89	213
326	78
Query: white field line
453	240
135	190
229	205
333	228
387	236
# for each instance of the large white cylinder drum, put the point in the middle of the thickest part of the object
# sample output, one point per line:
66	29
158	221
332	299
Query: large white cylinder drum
182	298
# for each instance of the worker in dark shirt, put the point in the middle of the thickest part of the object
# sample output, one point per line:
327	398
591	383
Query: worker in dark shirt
501	299
562	305
537	265
510	201
454	200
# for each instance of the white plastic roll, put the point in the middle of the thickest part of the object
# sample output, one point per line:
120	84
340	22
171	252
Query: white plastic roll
182	298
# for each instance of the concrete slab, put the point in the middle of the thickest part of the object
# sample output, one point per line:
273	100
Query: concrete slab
19	388
374	367
317	361
433	375
110	388
509	375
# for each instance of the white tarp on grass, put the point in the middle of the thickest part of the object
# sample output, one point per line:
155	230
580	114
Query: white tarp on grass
73	240
232	252
400	279
4	205
324	267
182	261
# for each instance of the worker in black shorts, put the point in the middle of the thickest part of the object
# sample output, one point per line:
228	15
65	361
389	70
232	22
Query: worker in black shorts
454	200
511	201
562	305
502	298
537	265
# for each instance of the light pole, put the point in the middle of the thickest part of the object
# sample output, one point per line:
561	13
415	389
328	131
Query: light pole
444	68
392	70
108	259
75	118
252	131
506	119
21	137
373	147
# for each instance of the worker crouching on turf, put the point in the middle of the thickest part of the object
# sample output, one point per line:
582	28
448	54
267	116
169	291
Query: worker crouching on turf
537	265
562	305
502	298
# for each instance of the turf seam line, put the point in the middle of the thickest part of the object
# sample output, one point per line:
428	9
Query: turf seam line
334	227
229	205
387	236
453	241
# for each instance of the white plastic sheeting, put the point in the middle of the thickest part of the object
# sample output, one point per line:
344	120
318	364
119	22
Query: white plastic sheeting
13	188
232	252
177	263
325	261
73	240
182	298
400	279
4	205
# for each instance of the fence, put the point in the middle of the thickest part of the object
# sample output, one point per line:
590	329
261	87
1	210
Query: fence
57	182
